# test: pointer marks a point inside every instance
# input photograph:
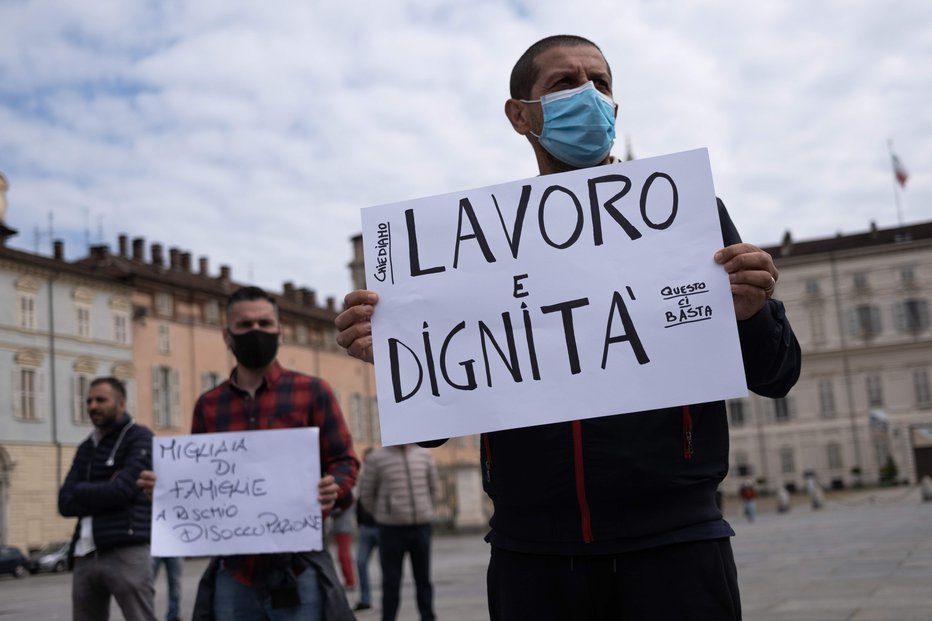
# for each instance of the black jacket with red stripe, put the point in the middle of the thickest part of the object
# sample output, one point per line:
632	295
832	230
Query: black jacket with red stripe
631	481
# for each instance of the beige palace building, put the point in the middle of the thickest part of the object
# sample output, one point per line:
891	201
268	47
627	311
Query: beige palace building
859	305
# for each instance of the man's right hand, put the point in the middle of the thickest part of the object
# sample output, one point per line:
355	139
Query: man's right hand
354	324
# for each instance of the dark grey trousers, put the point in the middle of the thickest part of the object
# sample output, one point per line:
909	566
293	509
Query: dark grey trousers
125	573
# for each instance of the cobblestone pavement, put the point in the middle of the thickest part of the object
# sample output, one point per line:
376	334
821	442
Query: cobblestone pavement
863	557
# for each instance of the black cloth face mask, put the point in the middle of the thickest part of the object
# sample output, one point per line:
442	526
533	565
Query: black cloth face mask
256	348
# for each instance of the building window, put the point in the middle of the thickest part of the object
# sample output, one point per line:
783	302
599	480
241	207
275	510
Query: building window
28	393
164	303
373	415
826	398
817	324
787	460
907	275
83	321
911	315
165	341
833	452
300	334
166	397
210	380
742	467
860	281
81	383
921	387
737	413
212	312
812	287
874	391
121	328
357	417
27	311
864	320
783	409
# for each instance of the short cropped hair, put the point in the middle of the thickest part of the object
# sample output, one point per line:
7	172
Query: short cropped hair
117	386
248	294
525	71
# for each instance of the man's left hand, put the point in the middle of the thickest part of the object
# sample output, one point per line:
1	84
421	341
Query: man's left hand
327	491
146	481
752	274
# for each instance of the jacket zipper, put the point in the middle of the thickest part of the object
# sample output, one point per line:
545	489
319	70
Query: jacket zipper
404	456
687	433
488	458
581	482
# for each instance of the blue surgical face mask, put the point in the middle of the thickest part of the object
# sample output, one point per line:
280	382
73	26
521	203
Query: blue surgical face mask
579	125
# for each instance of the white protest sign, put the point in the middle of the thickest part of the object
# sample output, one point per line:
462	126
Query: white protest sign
248	492
556	298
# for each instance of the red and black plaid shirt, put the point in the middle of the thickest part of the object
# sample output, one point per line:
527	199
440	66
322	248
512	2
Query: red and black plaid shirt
284	400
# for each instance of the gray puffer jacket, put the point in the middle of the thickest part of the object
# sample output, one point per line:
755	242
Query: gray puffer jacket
399	484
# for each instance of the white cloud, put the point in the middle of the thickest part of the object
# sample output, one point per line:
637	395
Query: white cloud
253	133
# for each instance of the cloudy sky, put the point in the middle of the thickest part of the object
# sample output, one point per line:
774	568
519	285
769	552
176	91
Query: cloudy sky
253	132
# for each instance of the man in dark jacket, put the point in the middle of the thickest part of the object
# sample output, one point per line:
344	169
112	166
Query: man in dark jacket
613	517
111	540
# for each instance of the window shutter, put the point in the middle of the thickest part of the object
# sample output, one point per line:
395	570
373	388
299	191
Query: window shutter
853	323
40	402
175	413
875	320
75	399
899	316
17	379
157	397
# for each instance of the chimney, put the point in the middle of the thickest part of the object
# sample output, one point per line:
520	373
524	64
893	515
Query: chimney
202	266
157	258
308	297
122	241
331	304
100	252
289	290
139	249
186	262
174	259
58	251
225	274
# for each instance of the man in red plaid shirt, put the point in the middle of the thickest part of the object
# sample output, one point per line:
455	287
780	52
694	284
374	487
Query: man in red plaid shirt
260	394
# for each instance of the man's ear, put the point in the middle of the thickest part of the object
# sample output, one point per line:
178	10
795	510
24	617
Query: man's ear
517	114
227	339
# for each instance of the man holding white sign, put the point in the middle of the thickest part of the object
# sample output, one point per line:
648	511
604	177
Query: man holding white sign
261	395
614	516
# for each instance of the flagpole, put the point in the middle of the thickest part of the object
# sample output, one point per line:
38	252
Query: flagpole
896	190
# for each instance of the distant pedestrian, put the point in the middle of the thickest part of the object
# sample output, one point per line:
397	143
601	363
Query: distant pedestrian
111	539
401	484
342	520
173	569
783	499
814	490
749	499
368	541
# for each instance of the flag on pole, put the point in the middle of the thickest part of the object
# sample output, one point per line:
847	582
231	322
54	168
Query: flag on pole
899	170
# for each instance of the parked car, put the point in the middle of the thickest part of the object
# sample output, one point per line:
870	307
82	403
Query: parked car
12	561
50	557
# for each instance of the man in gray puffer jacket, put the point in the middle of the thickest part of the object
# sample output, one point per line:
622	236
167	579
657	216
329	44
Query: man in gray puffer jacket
399	484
